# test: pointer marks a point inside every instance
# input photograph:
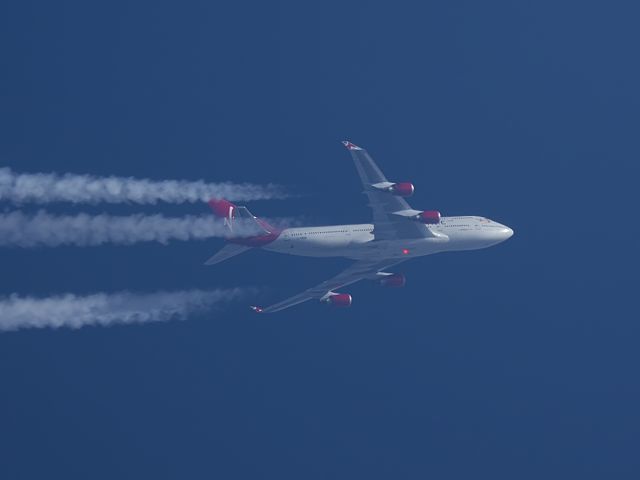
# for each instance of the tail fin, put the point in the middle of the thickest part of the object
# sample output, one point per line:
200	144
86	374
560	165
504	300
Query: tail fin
245	230
239	220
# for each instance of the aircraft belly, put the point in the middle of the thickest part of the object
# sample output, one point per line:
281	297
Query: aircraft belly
357	247
398	249
318	247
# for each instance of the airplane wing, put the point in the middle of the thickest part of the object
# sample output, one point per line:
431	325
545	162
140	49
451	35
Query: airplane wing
389	211
226	252
355	272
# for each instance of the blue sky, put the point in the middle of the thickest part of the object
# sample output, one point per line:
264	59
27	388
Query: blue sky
516	361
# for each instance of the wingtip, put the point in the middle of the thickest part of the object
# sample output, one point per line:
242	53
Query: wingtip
350	146
256	309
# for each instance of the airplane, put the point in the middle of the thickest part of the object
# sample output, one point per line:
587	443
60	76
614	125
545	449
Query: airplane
397	233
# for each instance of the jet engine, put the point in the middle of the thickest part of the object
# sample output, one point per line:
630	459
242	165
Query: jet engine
339	300
394	280
430	217
404	189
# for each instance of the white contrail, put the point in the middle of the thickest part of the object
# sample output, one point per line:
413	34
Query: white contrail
18	229
52	187
74	311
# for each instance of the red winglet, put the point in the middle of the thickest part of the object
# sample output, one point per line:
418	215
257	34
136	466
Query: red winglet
350	146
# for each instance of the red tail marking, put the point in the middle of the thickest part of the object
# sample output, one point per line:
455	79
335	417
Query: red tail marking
224	209
221	207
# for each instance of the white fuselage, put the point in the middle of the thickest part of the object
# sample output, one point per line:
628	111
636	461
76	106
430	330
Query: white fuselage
356	241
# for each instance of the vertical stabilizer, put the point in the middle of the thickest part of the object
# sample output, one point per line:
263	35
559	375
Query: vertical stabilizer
244	228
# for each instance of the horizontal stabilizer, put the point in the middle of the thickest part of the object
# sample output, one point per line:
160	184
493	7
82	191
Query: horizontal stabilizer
226	252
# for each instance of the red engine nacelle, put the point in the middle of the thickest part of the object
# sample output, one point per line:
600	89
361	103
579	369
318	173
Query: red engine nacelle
395	280
340	300
430	217
404	189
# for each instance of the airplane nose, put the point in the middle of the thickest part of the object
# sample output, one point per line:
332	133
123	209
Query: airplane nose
501	233
507	233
